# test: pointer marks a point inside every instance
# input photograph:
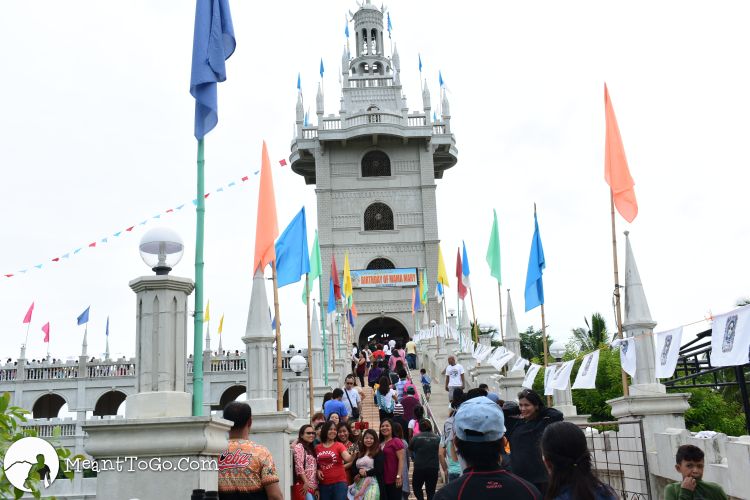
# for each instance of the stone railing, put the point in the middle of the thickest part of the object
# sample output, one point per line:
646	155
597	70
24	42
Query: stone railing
7	373
234	363
385	81
334	123
374	117
111	369
53	427
69	369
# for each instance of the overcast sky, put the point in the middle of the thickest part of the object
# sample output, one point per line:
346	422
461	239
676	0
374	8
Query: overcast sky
96	135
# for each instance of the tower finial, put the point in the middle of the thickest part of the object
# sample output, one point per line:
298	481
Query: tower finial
636	306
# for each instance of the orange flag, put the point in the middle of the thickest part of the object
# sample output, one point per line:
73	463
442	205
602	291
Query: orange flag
267	227
616	171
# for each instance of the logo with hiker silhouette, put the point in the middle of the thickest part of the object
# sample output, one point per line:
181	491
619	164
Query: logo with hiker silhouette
31	458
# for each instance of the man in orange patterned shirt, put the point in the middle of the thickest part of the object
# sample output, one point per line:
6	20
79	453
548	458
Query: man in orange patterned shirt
246	469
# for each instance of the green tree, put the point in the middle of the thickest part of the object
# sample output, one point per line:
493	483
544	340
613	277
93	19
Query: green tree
11	430
532	345
592	336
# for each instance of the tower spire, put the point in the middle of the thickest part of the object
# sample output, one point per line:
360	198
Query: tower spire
637	312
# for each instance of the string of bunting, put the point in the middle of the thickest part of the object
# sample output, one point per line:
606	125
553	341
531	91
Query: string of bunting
131	228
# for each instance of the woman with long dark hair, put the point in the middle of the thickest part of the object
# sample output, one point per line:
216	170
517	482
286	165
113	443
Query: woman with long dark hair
331	456
524	431
369	469
385	399
305	465
394	456
566	455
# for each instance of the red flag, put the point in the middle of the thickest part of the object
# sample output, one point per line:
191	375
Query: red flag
45	329
459	273
335	278
282	162
27	318
92	244
266	227
56	259
130	228
616	171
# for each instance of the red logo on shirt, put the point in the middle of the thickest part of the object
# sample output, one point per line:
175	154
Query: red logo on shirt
233	460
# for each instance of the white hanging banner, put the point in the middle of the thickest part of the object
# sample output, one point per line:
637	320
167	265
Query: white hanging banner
520	364
586	378
627	354
730	338
502	360
667	352
549	375
528	381
562	376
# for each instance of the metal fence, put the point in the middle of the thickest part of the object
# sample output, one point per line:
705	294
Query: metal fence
618	453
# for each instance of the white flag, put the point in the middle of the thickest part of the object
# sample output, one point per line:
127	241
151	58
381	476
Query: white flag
667	351
586	378
528	381
627	354
562	376
520	364
549	375
502	360
730	338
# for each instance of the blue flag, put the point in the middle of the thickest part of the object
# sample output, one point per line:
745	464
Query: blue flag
273	319
465	267
534	289
292	257
213	43
440	78
350	316
321	67
420	62
417	303
346	29
106	332
434	116
390	26
299	83
84	317
331	299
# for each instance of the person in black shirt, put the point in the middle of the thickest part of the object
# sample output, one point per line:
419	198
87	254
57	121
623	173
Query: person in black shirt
425	447
524	432
478	429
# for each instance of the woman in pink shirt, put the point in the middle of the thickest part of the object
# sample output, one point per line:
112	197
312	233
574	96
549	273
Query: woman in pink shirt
305	465
394	454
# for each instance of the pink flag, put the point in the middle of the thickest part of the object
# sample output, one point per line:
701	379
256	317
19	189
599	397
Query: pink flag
45	329
27	318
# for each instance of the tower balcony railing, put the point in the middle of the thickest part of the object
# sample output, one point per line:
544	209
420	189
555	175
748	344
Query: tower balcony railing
234	363
381	81
52	427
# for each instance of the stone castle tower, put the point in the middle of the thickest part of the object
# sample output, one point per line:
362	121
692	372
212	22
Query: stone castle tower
374	166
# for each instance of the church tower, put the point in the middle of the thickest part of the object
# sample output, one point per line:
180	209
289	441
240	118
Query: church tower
374	165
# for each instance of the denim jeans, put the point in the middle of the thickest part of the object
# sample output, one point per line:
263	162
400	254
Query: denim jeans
335	491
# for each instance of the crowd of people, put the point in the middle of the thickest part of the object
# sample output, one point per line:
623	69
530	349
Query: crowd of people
500	449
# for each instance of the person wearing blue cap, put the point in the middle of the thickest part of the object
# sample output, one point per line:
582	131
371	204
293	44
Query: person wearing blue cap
478	429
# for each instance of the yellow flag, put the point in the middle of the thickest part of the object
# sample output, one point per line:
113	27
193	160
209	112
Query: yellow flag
442	276
348	290
207	316
221	324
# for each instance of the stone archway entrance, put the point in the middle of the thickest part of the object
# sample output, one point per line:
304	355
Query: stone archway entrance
383	329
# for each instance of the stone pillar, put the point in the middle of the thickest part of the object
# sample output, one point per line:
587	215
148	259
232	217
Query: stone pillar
468	362
485	339
258	339
510	385
484	374
160	347
163	451
512	338
299	395
648	399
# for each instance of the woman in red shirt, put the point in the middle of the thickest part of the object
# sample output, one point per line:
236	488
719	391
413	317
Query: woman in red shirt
331	456
394	454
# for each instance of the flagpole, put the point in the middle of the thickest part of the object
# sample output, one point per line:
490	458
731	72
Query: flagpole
500	300
279	380
309	348
475	333
198	314
544	343
618	311
26	342
323	318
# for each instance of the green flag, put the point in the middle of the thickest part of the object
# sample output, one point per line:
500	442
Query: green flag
315	266
493	250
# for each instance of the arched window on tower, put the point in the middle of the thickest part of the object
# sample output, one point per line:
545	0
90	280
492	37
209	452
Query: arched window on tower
380	263
376	163
364	42
378	217
374	42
